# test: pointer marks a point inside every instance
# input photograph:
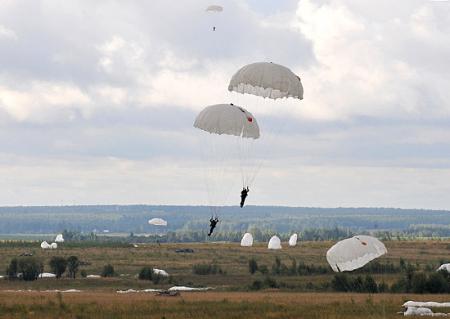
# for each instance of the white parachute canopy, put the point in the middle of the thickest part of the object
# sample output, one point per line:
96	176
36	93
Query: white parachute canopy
267	79
293	240
157	222
214	8
274	243
353	253
227	119
445	267
247	240
53	246
59	238
45	245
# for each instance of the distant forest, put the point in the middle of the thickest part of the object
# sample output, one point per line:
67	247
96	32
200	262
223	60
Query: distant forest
263	220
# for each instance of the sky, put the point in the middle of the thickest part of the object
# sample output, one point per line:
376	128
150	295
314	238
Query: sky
98	98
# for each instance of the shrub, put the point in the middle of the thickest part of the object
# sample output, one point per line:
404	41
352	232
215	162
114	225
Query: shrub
72	264
58	265
146	273
252	266
30	268
83	273
108	271
206	269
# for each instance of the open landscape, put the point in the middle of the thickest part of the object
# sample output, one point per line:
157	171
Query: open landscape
233	292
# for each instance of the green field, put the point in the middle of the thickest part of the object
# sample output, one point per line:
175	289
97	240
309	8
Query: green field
231	296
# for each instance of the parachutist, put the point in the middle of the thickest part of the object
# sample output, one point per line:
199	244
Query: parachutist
214	28
244	194
212	225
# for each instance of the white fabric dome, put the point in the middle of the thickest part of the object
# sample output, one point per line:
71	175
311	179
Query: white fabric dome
267	80
227	119
157	222
59	238
293	240
445	267
353	253
247	240
45	245
54	246
274	243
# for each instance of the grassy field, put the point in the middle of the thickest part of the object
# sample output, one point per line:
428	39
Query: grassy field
230	298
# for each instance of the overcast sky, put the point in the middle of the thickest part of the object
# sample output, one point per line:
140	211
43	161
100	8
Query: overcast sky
97	100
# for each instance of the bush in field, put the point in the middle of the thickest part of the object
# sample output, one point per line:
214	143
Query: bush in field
108	271
83	273
58	265
146	273
72	264
263	269
29	267
252	266
206	269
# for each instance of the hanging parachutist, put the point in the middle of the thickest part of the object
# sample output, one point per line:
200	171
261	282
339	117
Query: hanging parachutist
212	225
214	28
244	194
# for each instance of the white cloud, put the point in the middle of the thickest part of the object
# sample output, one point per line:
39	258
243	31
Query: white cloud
7	33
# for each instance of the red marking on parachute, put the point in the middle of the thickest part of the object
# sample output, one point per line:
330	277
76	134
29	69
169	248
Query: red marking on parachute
249	119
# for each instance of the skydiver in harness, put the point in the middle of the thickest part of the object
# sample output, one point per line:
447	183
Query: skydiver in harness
244	194
212	225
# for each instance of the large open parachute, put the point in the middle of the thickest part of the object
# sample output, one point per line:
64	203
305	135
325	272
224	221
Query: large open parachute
229	132
353	253
293	240
268	80
274	243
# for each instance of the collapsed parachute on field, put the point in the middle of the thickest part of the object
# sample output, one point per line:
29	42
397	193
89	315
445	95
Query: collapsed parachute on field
353	253
227	119
59	238
268	80
444	267
45	245
247	240
157	222
274	243
293	240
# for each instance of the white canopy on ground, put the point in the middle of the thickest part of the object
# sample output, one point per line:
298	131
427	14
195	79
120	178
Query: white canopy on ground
45	245
53	246
47	275
267	79
353	253
274	243
160	272
293	240
59	238
157	222
184	288
422	312
247	240
228	119
93	276
428	304
445	267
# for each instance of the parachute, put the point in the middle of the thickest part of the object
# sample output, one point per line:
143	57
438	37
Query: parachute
293	240
59	238
227	119
274	243
268	80
247	240
353	253
229	132
214	8
445	267
45	245
53	246
157	222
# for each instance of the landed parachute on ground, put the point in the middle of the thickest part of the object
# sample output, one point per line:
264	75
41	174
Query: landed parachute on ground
59	238
293	240
268	80
247	240
45	245
274	243
157	222
445	267
353	253
53	246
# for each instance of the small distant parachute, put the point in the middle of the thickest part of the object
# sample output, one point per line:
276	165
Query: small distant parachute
274	243
214	8
45	245
227	119
293	240
353	253
247	240
268	80
59	238
157	222
53	246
